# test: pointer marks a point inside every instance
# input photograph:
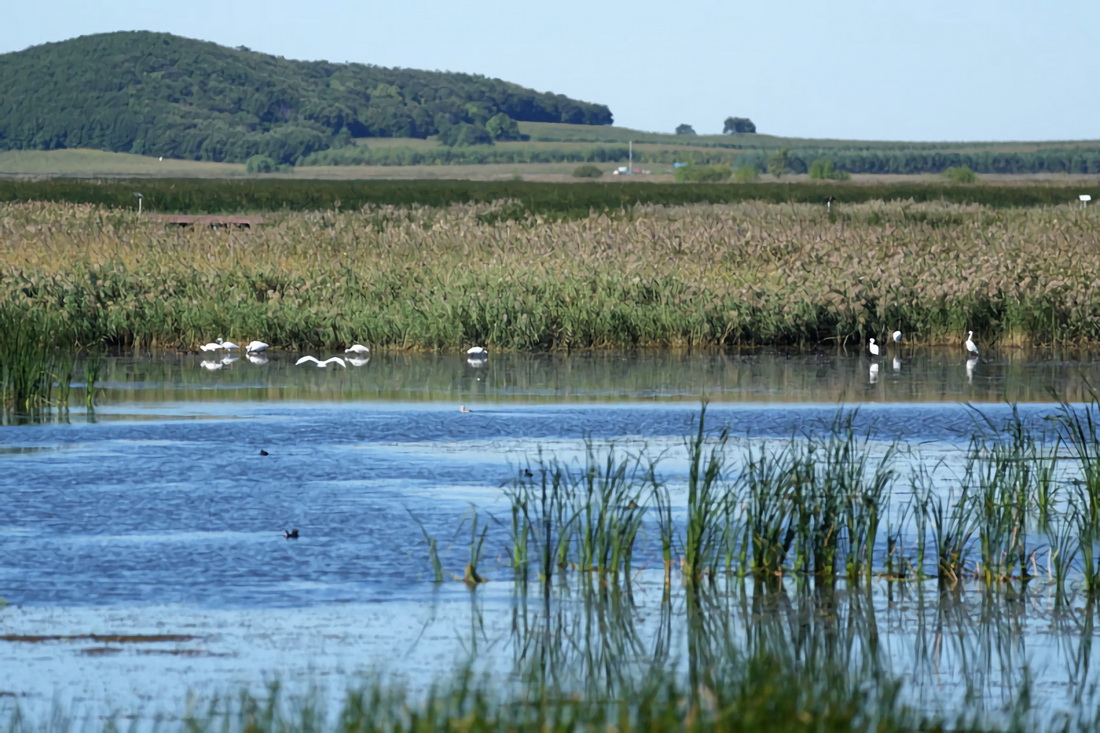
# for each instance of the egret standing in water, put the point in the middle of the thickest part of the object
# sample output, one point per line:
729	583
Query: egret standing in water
971	347
873	347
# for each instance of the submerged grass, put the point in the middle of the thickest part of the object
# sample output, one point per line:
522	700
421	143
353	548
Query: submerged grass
416	277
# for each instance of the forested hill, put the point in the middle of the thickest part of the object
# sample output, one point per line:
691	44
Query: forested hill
159	94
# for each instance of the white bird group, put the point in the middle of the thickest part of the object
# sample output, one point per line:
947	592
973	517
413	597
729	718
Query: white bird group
219	344
875	349
253	347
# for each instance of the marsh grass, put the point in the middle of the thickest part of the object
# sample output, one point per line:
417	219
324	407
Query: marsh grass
493	273
36	369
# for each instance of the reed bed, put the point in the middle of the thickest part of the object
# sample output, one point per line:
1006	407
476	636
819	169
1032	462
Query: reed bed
1019	508
707	276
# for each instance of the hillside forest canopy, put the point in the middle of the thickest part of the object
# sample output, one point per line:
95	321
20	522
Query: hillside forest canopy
163	95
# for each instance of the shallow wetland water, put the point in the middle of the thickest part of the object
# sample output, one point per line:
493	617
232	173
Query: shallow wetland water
145	562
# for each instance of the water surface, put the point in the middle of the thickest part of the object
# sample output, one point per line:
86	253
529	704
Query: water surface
159	514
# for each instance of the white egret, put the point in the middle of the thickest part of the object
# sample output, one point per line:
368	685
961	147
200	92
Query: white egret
970	346
212	346
322	364
357	349
228	345
255	347
873	347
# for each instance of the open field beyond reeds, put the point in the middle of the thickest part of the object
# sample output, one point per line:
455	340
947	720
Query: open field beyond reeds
703	276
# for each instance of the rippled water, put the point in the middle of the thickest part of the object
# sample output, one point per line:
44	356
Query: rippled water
159	514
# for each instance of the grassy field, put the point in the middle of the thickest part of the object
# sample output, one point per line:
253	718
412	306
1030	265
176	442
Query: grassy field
81	162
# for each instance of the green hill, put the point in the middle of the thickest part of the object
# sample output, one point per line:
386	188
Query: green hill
162	95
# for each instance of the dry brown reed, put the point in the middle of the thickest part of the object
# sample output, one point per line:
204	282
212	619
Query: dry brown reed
685	276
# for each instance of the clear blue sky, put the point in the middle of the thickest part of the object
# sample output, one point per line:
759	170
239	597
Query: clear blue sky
863	69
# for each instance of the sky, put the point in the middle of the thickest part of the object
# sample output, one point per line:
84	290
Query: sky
935	70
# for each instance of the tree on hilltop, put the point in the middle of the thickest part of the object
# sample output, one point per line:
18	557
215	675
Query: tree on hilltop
685	129
738	124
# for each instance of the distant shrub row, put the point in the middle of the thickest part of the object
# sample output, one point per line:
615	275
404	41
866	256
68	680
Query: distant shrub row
570	200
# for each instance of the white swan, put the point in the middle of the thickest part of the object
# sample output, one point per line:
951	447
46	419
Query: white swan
322	364
970	345
255	347
357	349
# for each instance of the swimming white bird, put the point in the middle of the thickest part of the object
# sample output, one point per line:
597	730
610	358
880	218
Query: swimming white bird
477	352
873	348
970	346
897	336
255	347
322	364
357	349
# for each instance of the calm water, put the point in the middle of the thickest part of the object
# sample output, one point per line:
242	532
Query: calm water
161	516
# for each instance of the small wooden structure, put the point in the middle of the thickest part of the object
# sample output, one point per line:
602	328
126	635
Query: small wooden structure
214	221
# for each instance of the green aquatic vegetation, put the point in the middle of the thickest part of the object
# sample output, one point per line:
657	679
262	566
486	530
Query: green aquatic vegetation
708	499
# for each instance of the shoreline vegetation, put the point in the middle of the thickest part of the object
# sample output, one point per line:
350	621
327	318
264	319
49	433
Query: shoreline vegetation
543	267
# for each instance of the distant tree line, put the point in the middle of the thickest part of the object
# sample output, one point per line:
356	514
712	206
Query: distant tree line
159	94
824	162
907	161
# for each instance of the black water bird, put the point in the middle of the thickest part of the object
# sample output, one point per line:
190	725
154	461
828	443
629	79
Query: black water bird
292	534
263	452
